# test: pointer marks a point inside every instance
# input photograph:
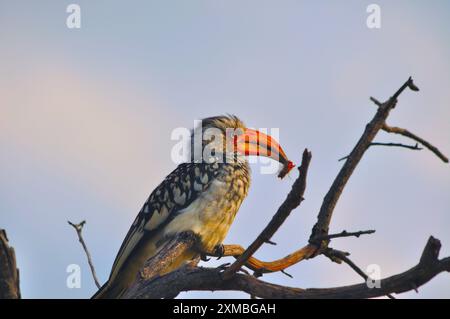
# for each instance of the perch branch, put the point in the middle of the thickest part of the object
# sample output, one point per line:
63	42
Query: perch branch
260	266
190	278
172	249
9	274
79	228
285	262
293	200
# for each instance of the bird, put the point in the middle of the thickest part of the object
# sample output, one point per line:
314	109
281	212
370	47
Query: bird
201	195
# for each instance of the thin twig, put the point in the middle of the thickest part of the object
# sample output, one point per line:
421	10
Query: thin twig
79	228
406	133
411	147
374	100
345	234
293	200
334	254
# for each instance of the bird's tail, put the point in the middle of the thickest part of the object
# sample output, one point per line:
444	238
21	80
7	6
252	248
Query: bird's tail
115	288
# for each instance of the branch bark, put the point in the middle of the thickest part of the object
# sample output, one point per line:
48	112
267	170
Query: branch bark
191	278
9	274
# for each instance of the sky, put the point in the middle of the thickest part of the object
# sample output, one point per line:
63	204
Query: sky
86	117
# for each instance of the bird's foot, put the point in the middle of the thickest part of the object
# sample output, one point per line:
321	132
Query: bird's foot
204	257
223	266
219	251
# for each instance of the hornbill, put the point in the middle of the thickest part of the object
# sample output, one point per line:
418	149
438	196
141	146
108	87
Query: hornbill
202	196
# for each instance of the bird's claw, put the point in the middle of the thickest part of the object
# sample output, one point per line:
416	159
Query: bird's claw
219	251
203	257
223	266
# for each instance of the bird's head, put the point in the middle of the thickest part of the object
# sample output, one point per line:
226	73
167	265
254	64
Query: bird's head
227	139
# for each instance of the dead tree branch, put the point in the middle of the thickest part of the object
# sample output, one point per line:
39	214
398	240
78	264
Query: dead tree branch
329	203
191	278
406	133
9	274
339	256
79	229
171	250
411	147
262	267
345	234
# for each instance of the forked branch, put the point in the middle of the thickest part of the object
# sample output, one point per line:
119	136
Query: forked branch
191	278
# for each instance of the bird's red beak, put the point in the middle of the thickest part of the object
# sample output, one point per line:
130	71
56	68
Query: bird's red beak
252	142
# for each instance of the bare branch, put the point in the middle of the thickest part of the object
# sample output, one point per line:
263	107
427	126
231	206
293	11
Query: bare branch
79	228
344	234
172	249
268	266
374	100
341	256
283	263
411	147
406	133
9	274
293	200
190	278
329	203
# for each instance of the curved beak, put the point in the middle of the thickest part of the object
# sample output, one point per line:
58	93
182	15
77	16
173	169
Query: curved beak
253	142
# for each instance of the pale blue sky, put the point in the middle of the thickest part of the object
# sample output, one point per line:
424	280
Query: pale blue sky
86	117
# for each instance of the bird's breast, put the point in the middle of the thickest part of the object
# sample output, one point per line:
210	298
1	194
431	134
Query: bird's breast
212	213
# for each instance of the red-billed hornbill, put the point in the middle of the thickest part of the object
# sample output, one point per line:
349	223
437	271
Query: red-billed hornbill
202	196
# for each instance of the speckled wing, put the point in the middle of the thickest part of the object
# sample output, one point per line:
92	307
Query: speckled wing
178	190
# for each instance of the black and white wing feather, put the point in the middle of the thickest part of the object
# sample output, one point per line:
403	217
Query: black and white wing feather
178	190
